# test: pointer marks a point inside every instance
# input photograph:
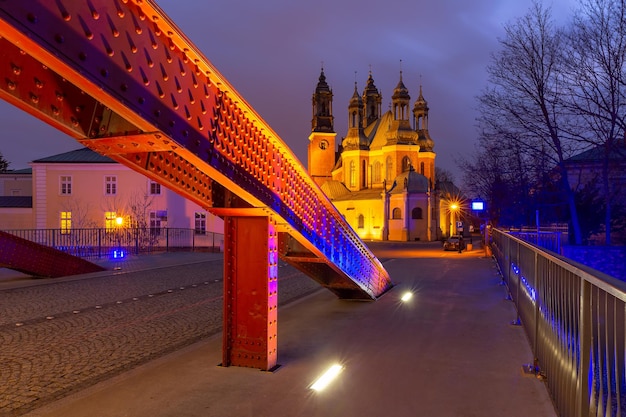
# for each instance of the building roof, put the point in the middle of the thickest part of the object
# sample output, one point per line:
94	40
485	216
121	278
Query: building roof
16	201
335	189
23	171
411	182
78	156
596	154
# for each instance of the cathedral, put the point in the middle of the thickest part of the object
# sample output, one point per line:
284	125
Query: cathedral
381	175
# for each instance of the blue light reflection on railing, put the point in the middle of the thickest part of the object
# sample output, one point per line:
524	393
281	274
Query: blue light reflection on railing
530	291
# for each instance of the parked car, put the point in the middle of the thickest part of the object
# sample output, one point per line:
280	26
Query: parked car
453	242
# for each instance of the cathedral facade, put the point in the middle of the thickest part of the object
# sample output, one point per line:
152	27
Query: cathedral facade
381	175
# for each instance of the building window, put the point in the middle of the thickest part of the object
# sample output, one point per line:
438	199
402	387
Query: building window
396	213
66	185
110	185
376	178
406	164
352	174
155	188
422	170
361	221
66	222
200	224
416	213
157	220
363	174
389	169
109	220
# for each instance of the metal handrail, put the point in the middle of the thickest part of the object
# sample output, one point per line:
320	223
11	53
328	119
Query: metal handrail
96	243
574	319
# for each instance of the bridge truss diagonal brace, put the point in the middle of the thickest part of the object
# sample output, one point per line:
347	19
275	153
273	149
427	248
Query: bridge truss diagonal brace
250	292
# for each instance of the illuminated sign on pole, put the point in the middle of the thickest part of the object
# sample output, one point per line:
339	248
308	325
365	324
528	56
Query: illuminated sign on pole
478	205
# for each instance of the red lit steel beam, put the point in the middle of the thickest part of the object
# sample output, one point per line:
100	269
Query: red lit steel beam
43	261
250	292
122	79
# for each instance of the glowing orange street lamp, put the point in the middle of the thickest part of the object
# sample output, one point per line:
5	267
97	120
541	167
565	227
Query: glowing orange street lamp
454	207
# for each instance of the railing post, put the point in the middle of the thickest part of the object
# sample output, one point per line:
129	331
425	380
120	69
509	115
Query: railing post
584	345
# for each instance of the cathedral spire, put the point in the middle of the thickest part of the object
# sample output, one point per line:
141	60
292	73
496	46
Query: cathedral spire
372	100
420	122
400	101
322	106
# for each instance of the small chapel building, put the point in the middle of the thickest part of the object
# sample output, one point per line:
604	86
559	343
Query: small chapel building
381	176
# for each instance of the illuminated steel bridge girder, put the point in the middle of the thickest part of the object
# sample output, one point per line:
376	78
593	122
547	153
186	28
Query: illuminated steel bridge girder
122	79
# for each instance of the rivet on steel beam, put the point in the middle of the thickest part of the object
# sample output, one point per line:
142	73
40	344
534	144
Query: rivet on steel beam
11	85
16	70
94	12
82	56
153	41
32	18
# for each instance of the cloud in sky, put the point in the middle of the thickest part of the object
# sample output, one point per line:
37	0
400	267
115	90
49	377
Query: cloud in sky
272	51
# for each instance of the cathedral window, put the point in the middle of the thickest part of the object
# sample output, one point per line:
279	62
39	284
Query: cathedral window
363	174
352	174
422	170
406	164
396	213
389	169
377	170
416	213
361	221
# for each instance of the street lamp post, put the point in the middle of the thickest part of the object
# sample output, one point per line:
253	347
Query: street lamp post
119	222
454	207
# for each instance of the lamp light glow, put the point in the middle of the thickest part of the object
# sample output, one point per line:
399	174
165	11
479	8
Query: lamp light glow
327	377
406	296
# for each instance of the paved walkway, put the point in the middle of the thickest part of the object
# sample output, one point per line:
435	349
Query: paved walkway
449	351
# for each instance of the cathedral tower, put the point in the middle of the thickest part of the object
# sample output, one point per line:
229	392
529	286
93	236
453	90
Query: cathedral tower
321	151
420	124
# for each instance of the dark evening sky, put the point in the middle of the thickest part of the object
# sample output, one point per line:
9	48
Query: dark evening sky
271	51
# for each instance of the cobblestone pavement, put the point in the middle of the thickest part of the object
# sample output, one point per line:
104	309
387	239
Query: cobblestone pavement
60	337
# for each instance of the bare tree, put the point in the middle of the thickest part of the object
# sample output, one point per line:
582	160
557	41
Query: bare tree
596	64
4	164
524	109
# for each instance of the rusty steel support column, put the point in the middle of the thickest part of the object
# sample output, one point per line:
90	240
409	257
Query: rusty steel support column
250	292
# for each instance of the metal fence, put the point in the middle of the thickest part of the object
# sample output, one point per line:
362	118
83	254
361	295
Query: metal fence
574	321
102	243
